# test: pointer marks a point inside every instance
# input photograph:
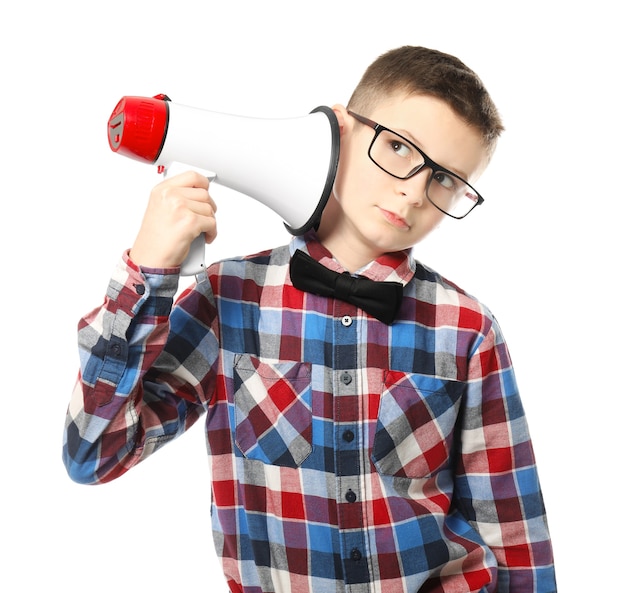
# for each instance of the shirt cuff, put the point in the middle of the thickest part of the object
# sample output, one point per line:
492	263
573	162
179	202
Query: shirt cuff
131	285
175	270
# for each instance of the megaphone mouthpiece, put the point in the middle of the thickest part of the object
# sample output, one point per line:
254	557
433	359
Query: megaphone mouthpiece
138	126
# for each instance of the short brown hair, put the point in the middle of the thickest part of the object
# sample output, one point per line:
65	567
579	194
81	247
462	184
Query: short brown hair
423	71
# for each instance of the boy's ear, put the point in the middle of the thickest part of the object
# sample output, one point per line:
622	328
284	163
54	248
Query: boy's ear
343	118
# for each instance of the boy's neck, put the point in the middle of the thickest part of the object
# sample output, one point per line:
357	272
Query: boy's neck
352	255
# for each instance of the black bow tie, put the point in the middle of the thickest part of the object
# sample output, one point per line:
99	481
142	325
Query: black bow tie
379	299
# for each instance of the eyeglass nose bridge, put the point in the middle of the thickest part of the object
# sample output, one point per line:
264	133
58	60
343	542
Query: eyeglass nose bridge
415	170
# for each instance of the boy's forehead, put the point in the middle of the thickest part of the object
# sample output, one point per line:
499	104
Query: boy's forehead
417	114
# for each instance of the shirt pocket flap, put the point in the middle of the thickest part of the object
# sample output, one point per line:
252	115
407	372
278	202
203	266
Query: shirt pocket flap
273	414
415	426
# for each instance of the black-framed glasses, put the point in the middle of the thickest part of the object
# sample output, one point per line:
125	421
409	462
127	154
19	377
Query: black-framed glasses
400	158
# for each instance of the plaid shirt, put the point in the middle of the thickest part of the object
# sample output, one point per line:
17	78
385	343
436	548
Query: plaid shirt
346	454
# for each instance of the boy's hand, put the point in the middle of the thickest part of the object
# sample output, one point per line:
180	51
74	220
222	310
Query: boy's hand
179	209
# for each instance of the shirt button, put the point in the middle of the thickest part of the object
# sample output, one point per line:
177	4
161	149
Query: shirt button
348	436
140	288
346	378
346	321
350	496
355	554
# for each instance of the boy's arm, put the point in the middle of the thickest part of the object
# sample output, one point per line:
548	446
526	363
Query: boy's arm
125	403
497	484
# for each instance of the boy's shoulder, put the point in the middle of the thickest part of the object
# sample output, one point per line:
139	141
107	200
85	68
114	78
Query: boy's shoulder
271	256
433	288
425	273
255	266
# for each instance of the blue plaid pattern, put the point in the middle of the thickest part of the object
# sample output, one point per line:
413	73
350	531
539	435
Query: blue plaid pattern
346	454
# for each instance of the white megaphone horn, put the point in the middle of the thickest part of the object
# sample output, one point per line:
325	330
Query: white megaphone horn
287	164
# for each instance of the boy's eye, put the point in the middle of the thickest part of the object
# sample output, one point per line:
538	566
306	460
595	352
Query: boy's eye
401	149
445	180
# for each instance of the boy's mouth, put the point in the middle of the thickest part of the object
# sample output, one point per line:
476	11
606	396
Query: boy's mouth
394	219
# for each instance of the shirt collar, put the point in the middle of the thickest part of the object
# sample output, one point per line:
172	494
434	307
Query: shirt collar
398	266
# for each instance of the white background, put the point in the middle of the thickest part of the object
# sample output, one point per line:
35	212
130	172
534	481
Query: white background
544	252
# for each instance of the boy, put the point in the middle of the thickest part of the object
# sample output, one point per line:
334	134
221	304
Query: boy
351	450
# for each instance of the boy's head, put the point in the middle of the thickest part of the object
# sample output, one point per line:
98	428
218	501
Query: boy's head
418	131
422	71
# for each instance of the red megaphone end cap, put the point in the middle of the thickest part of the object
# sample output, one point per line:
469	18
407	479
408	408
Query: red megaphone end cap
137	127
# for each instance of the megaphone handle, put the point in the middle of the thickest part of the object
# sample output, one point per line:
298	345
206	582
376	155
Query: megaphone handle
194	262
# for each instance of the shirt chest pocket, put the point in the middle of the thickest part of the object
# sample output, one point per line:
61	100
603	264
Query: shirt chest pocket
415	427
273	414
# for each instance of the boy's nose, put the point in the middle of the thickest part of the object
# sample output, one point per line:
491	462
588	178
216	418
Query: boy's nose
414	188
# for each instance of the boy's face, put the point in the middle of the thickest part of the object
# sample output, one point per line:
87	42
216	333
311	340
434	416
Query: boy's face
371	212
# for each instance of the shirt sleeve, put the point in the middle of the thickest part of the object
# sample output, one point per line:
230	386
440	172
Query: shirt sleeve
131	396
497	485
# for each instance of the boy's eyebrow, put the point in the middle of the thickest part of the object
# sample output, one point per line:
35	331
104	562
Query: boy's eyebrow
410	137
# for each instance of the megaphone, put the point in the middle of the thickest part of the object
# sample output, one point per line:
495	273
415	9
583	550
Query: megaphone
287	164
